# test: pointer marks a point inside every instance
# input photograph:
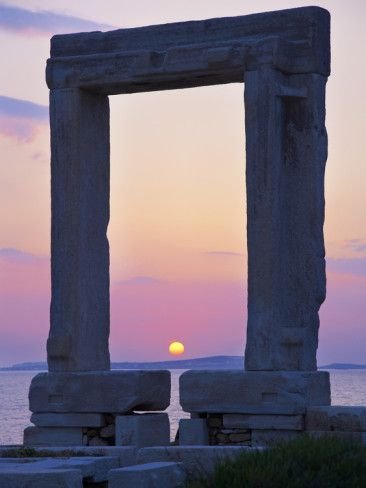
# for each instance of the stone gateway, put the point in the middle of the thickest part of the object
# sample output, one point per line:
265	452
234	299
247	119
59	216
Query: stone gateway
283	59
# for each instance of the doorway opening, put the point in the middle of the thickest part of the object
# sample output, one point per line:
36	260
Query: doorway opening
177	231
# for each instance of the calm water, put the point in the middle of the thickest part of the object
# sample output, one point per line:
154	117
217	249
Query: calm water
348	388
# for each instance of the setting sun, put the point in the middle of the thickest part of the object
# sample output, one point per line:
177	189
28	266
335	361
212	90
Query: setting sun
176	348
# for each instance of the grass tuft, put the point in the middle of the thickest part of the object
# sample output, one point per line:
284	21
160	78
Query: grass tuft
305	462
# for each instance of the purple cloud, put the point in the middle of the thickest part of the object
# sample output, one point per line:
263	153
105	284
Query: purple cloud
44	22
357	245
14	107
21	119
17	256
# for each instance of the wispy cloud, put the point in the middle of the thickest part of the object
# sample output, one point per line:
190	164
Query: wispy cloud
21	119
16	256
223	253
357	245
354	266
14	107
139	280
43	22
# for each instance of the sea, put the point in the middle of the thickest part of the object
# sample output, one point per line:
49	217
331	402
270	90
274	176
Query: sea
348	388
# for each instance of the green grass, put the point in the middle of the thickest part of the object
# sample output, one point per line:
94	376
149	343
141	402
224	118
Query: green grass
303	463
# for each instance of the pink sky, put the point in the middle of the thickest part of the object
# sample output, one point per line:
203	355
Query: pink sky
177	229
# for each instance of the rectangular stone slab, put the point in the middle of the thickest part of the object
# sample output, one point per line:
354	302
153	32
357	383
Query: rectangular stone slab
266	422
193	432
53	436
100	392
336	418
195	53
253	392
68	419
143	430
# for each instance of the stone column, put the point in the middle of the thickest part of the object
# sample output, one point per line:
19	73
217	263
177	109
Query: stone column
286	150
78	339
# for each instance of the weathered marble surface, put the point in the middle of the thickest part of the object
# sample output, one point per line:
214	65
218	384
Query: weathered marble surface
284	58
68	419
264	422
286	147
79	331
53	436
90	392
336	418
143	430
193	432
253	392
196	53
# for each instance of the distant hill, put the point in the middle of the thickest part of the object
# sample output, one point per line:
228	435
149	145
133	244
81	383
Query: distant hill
343	366
211	362
41	366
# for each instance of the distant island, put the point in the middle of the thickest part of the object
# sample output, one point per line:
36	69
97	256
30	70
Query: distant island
211	362
343	366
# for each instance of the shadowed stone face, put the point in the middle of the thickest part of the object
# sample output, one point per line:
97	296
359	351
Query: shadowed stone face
105	391
286	154
253	392
78	339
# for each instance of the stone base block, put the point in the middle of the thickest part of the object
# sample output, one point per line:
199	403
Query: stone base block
151	475
193	432
336	418
143	430
11	477
263	422
198	461
53	436
263	438
253	392
103	391
68	420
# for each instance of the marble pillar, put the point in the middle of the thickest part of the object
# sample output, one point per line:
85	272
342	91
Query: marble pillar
79	331
286	151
